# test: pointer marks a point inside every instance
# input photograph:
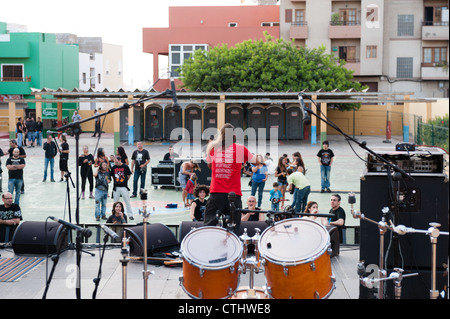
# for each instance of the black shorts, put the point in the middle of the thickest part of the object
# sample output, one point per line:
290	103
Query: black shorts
218	205
63	167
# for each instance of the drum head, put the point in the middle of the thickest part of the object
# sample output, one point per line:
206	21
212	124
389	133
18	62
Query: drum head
211	247
293	240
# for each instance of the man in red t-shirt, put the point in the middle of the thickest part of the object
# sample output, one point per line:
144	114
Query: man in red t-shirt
225	158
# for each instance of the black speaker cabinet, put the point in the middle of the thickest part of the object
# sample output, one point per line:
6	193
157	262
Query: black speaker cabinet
421	202
159	238
39	238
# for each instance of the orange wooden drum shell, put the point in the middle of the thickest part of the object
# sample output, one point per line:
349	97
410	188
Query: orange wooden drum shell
301	281
214	284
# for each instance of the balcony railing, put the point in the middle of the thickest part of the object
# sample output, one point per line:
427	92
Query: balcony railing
436	24
345	23
299	23
16	79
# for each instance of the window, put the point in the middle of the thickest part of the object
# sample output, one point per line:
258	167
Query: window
232	24
404	68
405	25
348	54
288	16
270	24
180	52
371	52
12	72
434	55
299	17
348	17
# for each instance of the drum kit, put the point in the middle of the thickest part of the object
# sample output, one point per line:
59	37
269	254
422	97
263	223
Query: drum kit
294	252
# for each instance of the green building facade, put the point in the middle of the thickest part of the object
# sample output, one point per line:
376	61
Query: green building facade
35	60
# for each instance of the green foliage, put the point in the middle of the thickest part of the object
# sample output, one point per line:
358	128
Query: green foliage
436	132
268	65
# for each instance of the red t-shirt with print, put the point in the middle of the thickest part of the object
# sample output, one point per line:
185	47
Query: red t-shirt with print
226	168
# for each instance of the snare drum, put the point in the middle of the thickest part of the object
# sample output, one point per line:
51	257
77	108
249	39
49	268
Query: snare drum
296	258
211	258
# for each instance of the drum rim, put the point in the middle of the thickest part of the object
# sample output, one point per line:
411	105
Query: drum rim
296	262
209	267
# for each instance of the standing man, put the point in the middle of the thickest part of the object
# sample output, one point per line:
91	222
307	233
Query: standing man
50	153
139	161
39	129
15	166
339	214
76	117
325	157
10	213
97	124
121	174
19	129
22	154
31	126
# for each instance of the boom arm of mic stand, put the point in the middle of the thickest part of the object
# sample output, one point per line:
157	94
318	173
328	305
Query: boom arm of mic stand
362	145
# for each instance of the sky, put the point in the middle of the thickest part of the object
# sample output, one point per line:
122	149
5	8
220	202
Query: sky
116	21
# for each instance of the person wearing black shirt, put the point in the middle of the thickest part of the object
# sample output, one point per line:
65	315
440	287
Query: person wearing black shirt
139	161
39	129
170	156
120	174
10	217
325	157
85	162
12	145
19	129
15	165
199	204
338	213
31	126
64	157
50	153
251	205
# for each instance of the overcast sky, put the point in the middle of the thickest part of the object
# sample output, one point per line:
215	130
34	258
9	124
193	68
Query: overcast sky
116	21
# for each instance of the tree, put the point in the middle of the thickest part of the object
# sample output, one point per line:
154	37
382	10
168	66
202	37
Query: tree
268	65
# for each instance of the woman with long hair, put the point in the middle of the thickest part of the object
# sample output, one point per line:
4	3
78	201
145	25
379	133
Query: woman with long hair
281	175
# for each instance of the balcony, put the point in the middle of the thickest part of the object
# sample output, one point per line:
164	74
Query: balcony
15	85
298	30
354	65
435	31
434	72
344	30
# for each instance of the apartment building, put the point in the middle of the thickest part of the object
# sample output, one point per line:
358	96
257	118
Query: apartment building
392	46
192	28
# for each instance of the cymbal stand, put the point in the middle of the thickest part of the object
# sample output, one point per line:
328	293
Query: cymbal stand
434	233
252	263
125	251
382	226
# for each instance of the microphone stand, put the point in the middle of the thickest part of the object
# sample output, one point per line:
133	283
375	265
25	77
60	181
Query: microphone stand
97	280
55	259
76	129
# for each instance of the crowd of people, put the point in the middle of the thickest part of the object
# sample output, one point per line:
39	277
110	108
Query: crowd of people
101	172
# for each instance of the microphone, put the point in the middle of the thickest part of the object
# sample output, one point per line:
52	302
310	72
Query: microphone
85	231
53	132
306	117
175	106
109	232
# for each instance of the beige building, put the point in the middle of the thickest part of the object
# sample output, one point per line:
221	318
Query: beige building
392	46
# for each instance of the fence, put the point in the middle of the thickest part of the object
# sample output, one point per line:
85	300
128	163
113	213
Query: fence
433	135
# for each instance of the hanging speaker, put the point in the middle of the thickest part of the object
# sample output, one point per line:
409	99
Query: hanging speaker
39	238
159	238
